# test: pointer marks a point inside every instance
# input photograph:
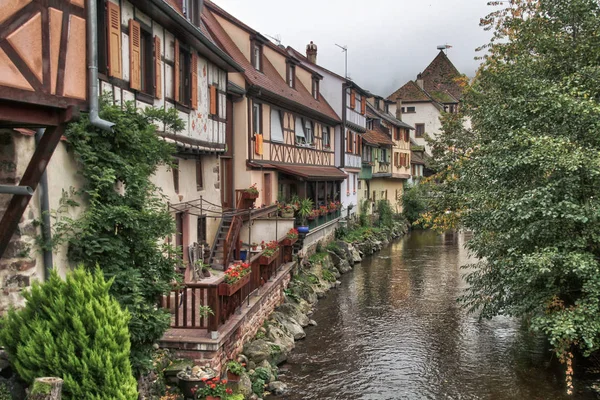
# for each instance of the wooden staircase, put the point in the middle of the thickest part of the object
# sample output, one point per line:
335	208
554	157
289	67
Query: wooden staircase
228	234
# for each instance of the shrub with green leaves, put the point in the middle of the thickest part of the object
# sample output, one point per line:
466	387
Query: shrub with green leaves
414	203
123	230
75	330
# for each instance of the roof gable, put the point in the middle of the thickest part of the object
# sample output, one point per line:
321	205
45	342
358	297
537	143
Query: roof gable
441	76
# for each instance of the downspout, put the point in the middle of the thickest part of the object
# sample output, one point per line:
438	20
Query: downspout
93	93
45	209
343	132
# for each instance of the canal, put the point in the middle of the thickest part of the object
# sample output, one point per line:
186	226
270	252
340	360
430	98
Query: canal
394	330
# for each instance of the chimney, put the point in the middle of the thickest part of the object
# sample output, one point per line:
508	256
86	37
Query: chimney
311	52
420	81
399	109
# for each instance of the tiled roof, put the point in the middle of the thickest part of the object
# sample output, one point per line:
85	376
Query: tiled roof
440	77
410	92
439	83
312	173
377	137
374	113
269	79
415	158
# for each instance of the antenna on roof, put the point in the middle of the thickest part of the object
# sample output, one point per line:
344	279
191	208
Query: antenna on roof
345	50
276	38
444	47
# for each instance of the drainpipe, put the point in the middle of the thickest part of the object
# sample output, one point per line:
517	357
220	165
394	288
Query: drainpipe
93	93
45	209
343	132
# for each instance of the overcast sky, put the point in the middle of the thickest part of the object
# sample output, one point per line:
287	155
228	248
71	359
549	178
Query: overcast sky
389	41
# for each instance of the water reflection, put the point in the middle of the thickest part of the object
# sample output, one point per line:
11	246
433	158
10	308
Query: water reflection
395	331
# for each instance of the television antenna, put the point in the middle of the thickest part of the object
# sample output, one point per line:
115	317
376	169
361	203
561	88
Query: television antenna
345	50
276	38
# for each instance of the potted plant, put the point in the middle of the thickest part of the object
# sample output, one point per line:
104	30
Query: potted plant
270	253
251	192
235	370
254	246
291	237
236	277
286	211
215	389
305	208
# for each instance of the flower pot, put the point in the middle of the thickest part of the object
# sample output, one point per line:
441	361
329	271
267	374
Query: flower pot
289	214
249	196
264	260
226	289
303	229
231	377
289	242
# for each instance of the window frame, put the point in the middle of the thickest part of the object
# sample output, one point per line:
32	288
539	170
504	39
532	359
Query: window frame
316	88
410	110
290	75
185	76
417	133
147	61
176	176
326	136
309	132
256	45
257	123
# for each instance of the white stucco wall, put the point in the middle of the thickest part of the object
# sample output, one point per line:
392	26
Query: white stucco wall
425	113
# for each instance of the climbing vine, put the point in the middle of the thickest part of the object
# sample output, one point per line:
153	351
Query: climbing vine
125	220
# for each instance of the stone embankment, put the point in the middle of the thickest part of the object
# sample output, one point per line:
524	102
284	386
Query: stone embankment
314	276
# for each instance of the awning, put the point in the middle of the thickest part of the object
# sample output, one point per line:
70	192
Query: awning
311	173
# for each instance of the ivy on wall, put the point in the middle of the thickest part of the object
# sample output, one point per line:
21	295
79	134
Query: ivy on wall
126	218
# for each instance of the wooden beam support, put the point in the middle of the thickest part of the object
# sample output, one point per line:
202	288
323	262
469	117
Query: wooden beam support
37	165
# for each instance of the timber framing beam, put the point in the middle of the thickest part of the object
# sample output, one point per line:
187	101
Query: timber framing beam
56	124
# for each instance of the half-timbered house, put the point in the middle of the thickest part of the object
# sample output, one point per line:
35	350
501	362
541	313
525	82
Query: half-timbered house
284	128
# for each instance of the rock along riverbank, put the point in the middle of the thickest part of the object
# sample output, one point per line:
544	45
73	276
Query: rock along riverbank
312	279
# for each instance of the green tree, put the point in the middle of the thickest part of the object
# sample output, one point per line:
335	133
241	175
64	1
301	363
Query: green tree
525	177
123	230
414	203
75	330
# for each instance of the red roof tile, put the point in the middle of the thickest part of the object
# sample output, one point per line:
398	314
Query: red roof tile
269	79
410	92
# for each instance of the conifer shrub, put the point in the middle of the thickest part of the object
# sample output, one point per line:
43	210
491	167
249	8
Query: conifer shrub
72	329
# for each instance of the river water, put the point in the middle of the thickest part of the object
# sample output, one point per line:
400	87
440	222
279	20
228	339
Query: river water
394	330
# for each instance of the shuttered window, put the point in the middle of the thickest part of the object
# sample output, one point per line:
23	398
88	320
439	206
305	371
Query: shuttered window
363	106
157	68
135	56
353	99
115	66
194	82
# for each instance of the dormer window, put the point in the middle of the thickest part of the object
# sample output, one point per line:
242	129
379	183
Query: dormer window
315	88
256	55
291	75
387	108
377	104
191	11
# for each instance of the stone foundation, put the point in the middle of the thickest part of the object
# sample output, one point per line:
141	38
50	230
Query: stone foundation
242	327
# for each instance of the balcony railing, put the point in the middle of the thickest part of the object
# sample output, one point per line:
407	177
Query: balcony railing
324	219
186	300
382	168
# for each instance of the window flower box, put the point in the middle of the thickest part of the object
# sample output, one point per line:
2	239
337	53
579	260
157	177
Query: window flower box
226	289
289	242
267	260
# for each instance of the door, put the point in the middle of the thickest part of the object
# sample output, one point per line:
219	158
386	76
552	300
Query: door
227	183
267	190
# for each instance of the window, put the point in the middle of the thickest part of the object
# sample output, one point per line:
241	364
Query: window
360	185
257	118
191	11
256	56
387	108
410	109
102	33
201	229
175	168
367	154
420	130
402	110
199	178
308	132
383	156
315	88
326	137
349	142
146	66
276	127
182	75
406	135
300	137
291	75
377	104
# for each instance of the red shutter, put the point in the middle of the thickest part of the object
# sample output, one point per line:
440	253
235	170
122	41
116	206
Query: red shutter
157	68
176	82
213	100
353	99
363	106
115	67
194	81
135	55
